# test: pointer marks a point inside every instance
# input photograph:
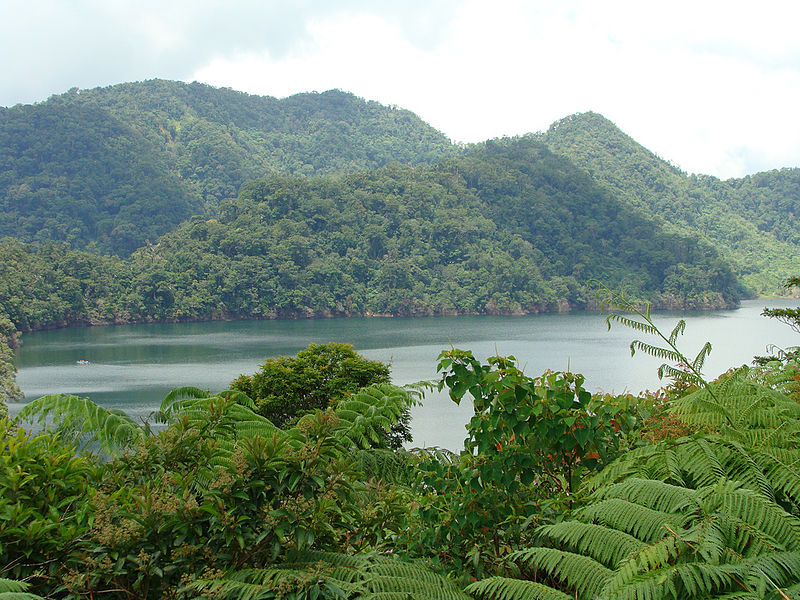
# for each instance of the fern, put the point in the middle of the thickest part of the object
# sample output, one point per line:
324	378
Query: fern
315	574
504	588
719	519
11	589
641	522
582	573
72	416
397	467
607	546
682	369
367	416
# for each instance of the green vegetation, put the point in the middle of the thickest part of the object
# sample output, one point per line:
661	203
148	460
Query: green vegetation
690	493
752	221
122	165
509	228
9	391
113	169
321	375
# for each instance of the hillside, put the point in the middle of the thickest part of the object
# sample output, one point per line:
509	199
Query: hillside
509	228
120	165
753	221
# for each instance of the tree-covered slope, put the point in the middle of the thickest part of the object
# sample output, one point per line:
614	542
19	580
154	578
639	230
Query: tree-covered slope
124	164
510	228
752	221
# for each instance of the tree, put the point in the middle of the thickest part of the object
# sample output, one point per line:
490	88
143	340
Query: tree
288	387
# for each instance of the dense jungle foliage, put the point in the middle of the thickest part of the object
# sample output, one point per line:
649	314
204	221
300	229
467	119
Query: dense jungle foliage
753	222
114	167
508	228
691	492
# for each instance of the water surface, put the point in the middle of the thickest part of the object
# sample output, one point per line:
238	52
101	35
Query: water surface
132	367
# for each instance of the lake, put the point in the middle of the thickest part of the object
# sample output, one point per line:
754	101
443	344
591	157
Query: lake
132	367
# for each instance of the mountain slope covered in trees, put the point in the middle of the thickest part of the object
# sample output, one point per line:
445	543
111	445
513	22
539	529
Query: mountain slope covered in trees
116	167
508	228
120	165
752	221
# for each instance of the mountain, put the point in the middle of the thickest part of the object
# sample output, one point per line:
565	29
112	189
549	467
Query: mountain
507	228
753	221
113	167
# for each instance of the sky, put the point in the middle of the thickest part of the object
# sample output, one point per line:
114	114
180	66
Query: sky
713	87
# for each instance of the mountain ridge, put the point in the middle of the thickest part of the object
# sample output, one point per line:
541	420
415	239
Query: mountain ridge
198	145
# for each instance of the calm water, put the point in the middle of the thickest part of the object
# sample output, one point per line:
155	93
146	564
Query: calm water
132	367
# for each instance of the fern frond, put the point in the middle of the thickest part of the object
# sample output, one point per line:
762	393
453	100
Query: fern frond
257	584
645	524
630	464
655	351
677	374
765	522
71	415
398	569
413	587
366	416
435	453
680	327
632	323
782	470
739	402
777	569
581	573
700	359
504	588
11	589
656	495
605	545
685	581
392	466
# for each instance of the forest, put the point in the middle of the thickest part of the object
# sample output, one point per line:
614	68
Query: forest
164	201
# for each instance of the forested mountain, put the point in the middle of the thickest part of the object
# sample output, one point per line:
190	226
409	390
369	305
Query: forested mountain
508	228
321	225
112	168
752	221
120	165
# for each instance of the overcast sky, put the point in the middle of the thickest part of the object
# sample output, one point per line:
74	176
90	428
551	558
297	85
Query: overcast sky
713	87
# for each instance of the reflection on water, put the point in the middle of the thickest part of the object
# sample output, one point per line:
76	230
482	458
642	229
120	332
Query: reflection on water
132	367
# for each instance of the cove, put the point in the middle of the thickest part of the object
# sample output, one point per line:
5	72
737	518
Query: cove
132	367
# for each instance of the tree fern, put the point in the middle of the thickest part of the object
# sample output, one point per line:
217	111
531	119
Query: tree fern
311	574
582	573
738	402
504	588
705	543
72	416
682	368
641	522
367	416
391	466
605	545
